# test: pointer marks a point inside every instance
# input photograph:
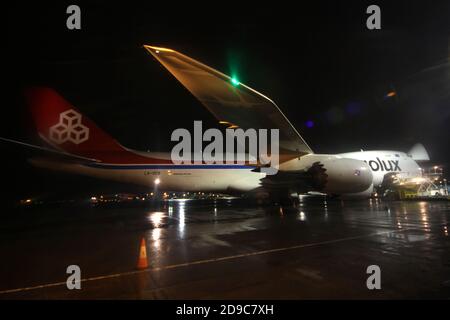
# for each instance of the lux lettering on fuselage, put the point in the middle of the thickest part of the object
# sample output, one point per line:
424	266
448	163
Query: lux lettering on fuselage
381	165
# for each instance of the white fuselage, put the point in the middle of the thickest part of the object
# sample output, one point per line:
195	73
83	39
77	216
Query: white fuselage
384	162
241	178
217	178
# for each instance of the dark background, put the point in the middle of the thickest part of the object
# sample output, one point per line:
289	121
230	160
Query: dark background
318	61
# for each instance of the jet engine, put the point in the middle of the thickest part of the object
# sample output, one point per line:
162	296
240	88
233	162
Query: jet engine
324	173
346	176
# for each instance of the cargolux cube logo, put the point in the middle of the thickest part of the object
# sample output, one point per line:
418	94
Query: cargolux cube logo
69	128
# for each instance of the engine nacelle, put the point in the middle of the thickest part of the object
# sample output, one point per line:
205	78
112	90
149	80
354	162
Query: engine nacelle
346	176
332	174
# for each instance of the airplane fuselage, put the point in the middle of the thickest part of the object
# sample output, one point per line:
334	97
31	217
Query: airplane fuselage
384	162
371	166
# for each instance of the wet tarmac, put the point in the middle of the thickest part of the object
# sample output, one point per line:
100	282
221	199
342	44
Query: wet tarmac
229	250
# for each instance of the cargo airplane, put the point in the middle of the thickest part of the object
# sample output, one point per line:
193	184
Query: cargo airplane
76	145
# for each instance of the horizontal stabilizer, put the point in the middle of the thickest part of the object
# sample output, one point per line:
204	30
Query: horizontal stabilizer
39	150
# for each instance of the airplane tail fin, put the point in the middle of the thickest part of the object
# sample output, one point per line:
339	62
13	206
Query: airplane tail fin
64	127
419	153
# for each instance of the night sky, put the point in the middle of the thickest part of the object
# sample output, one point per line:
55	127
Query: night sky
319	63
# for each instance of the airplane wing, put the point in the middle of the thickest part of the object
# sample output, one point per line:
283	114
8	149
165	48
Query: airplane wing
232	103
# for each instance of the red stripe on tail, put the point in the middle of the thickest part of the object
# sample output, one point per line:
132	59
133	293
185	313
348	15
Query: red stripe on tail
59	123
62	125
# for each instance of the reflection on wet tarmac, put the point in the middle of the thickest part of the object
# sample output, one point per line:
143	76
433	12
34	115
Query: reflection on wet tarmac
232	249
302	216
156	218
156	234
181	219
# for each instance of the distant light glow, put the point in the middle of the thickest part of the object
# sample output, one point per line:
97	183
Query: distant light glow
157	181
309	124
234	81
391	94
418	180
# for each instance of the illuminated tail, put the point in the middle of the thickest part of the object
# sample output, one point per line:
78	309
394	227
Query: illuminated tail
419	153
64	127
